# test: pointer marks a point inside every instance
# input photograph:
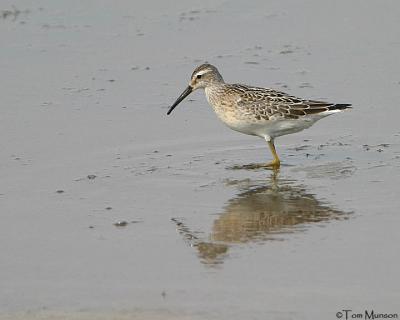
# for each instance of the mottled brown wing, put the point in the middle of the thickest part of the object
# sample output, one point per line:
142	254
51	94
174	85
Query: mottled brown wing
267	104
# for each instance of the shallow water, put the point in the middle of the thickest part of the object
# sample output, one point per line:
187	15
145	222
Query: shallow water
87	144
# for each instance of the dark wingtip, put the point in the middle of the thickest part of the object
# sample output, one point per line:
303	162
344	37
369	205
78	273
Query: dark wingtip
340	106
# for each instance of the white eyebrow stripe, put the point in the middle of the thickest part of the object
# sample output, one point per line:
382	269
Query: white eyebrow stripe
201	72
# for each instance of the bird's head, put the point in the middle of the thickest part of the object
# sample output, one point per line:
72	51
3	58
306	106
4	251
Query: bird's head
203	76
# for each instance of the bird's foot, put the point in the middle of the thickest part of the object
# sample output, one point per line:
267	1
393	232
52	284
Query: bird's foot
274	165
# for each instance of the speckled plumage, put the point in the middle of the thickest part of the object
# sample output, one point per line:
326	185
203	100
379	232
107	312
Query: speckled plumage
262	112
268	104
263	105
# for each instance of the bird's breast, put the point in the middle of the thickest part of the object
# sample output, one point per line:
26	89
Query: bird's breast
224	110
228	112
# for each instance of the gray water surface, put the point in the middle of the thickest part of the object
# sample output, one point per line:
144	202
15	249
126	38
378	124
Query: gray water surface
86	144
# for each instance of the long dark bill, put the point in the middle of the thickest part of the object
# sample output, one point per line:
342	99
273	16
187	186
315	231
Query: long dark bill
184	94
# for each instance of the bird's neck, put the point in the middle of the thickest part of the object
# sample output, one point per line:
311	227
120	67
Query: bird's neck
213	92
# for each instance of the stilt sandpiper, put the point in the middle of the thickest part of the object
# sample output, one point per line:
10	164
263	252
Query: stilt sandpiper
262	112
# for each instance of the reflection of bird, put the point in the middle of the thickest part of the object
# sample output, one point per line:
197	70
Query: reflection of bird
259	214
262	112
209	252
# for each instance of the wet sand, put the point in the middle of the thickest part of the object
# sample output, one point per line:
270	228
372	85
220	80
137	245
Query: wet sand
112	210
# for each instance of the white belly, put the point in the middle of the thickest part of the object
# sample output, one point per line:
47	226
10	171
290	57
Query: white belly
271	129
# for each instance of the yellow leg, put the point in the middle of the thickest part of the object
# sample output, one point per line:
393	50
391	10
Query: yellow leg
276	163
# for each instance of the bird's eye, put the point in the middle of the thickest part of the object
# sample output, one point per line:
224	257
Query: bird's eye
198	76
